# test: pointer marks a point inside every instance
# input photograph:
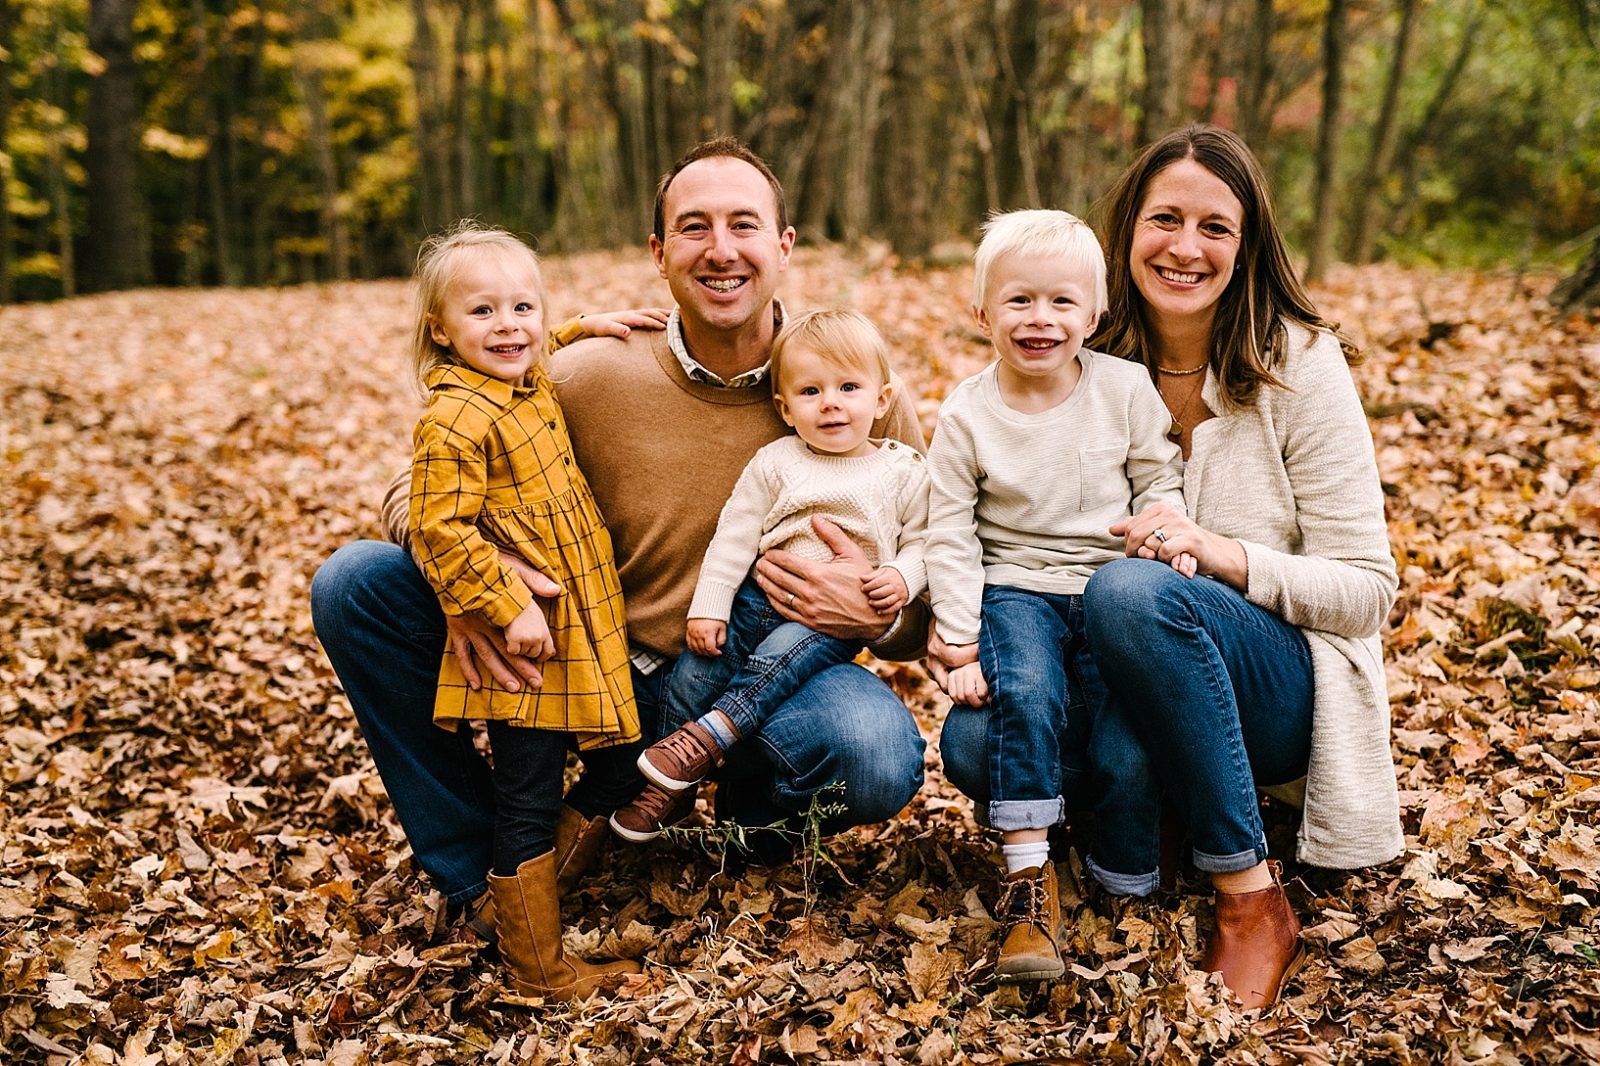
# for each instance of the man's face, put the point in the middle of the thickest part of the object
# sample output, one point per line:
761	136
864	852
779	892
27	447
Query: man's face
723	252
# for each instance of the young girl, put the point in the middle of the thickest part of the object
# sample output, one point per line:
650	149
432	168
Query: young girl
492	472
1034	459
830	380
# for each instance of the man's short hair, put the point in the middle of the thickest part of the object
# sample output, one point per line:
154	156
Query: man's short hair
1039	232
724	148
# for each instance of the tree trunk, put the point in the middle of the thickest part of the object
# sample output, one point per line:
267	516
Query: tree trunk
113	153
1423	132
906	197
1581	291
716	67
1333	48
308	73
1161	27
1363	213
7	239
957	41
1014	24
1255	116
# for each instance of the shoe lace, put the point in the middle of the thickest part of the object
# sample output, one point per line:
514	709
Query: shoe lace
1022	902
688	747
657	804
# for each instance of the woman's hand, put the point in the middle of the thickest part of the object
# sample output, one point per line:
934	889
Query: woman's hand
475	641
621	323
828	597
1163	532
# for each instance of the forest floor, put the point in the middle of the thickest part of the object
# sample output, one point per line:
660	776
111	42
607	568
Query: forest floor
198	863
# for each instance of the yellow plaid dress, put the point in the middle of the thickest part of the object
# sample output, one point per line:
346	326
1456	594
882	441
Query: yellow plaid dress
493	469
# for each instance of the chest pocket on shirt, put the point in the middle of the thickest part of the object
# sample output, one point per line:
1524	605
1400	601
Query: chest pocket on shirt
1102	477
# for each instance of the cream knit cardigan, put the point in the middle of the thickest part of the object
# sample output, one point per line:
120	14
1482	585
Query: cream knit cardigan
1293	478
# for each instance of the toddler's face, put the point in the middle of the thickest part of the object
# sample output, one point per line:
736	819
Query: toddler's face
490	317
1038	309
831	407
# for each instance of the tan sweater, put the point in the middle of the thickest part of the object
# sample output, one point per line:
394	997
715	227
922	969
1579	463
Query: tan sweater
662	454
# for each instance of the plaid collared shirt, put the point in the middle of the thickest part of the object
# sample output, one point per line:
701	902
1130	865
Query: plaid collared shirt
696	372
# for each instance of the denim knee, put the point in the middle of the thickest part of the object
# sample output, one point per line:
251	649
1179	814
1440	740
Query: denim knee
345	585
1125	591
964	750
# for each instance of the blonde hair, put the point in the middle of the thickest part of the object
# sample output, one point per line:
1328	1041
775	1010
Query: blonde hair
1039	232
438	260
845	339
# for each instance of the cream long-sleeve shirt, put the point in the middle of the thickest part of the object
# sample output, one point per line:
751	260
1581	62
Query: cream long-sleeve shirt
1026	500
1293	478
879	500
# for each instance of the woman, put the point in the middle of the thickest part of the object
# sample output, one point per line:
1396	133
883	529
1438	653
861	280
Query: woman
1265	670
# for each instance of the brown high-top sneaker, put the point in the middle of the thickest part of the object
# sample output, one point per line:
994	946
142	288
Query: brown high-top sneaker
1030	926
528	918
1257	946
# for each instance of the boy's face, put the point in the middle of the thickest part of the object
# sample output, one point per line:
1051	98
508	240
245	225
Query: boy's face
831	407
490	318
1037	310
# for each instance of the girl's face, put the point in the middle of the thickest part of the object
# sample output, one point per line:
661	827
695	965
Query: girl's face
832	408
1185	244
490	317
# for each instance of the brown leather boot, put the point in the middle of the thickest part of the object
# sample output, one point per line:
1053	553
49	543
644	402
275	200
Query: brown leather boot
480	918
578	842
528	917
1030	926
1257	944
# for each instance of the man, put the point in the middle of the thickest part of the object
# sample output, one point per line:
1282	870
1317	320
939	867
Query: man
661	424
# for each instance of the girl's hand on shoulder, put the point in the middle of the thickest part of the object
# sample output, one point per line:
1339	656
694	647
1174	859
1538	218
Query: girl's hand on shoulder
706	636
886	590
965	685
529	635
621	323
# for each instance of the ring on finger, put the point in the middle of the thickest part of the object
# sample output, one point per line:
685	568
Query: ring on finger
1160	535
791	600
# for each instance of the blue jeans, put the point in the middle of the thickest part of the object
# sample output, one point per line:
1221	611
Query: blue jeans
1033	646
764	661
1219	691
382	629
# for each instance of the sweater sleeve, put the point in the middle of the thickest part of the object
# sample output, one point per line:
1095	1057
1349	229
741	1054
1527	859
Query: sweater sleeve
1155	463
912	507
448	489
732	550
1345	580
954	556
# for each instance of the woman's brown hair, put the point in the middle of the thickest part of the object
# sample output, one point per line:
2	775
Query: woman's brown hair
1248	336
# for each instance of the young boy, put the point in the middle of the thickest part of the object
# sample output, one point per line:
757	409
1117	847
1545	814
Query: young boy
1033	459
830	380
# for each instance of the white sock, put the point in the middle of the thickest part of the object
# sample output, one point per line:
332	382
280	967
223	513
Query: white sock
1022	856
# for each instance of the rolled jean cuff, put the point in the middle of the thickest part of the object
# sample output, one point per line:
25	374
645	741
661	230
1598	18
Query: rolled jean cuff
467	895
1009	815
1231	864
1124	884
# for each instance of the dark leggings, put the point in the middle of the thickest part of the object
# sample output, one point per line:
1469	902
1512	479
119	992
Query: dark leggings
528	766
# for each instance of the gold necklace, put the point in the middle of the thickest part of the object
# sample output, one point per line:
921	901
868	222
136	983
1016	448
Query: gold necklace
1180	373
1175	433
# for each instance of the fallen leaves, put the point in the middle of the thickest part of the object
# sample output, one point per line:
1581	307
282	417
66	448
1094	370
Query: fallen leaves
198	865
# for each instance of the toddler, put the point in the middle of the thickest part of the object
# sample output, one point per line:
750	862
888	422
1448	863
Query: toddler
1033	459
492	472
830	380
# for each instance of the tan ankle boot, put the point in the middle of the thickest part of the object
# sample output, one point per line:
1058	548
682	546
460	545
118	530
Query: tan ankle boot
1257	944
528	918
578	842
1030	917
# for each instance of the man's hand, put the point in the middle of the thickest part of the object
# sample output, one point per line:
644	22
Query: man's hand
827	597
965	684
706	636
475	641
621	323
886	590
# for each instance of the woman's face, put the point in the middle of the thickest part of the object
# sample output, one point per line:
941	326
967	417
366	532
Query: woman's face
1185	244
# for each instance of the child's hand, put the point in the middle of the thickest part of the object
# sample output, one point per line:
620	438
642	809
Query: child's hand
886	590
953	656
529	635
706	636
965	684
621	323
1185	564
